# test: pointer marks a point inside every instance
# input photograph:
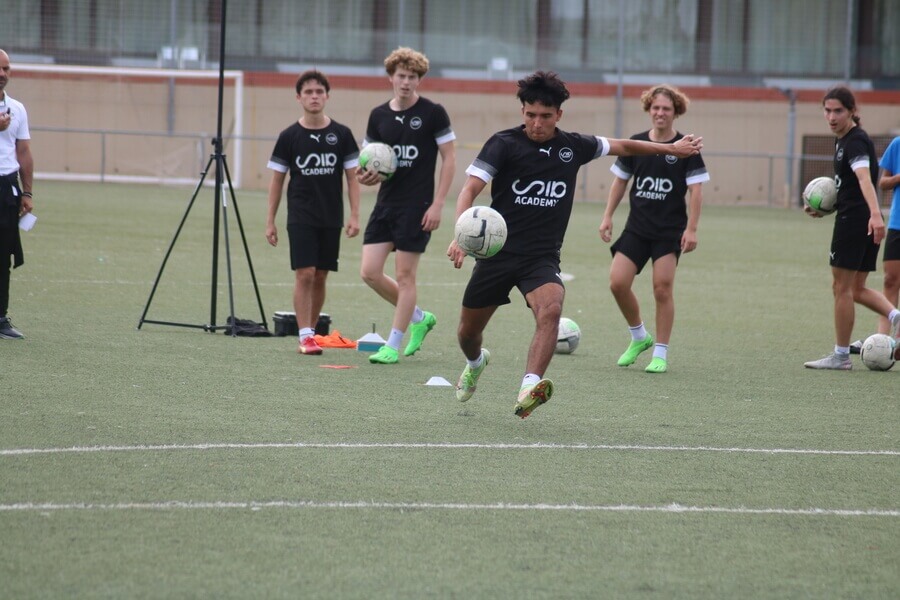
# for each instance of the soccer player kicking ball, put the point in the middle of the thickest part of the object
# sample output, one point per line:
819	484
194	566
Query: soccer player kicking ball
532	169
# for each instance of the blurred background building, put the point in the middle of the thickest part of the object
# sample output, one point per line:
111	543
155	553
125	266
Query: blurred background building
719	41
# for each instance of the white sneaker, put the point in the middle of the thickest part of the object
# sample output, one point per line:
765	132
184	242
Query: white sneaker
834	362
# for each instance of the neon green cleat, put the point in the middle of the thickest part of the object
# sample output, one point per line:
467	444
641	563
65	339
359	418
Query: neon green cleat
385	356
465	387
657	365
532	396
417	333
634	349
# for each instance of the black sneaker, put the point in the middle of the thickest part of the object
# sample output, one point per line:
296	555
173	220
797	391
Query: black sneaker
855	347
8	332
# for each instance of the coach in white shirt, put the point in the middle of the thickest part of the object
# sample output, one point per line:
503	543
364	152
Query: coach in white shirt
16	171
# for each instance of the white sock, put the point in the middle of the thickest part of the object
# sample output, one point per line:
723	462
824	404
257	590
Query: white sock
842	350
893	314
306	332
661	351
638	332
395	339
418	315
477	362
530	379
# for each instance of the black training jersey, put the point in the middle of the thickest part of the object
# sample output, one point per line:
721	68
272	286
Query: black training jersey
658	193
316	160
414	134
853	151
533	185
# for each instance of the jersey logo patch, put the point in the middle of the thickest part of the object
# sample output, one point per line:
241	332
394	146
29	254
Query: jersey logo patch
415	123
316	136
400	118
545	150
566	155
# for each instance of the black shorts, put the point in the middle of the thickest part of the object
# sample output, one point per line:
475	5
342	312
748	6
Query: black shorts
399	225
852	247
641	249
892	245
317	247
493	278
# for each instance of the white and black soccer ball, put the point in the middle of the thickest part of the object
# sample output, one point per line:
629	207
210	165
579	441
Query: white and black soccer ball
480	231
379	157
877	352
820	194
568	336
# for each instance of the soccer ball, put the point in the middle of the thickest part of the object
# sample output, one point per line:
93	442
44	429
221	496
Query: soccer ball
568	336
480	231
877	352
821	195
378	157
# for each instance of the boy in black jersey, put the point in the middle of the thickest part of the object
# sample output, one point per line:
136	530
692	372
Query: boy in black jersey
858	227
408	208
532	169
659	226
318	152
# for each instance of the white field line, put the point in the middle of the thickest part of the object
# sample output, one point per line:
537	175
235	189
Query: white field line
310	504
437	445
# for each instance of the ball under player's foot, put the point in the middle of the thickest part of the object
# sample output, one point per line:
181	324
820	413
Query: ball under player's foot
532	396
417	333
385	356
465	387
634	350
834	362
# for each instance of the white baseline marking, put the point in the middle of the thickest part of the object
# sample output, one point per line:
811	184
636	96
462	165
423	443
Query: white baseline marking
437	445
310	504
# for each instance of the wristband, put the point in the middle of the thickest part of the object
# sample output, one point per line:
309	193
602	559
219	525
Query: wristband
27	194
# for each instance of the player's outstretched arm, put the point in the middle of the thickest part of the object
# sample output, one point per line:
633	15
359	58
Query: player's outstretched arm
687	146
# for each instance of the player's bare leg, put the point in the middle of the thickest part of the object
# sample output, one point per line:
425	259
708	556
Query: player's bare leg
546	303
472	322
406	265
621	279
304	285
317	302
891	291
663	288
374	257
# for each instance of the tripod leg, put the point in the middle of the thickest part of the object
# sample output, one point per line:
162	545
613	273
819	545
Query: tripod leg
174	239
237	214
222	202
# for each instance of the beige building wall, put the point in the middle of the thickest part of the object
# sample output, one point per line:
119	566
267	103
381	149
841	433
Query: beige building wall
744	130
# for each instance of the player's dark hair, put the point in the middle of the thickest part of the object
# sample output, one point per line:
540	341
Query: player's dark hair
544	87
843	95
313	75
